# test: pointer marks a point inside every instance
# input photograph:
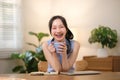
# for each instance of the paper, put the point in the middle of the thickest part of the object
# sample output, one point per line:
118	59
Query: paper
67	73
81	73
44	73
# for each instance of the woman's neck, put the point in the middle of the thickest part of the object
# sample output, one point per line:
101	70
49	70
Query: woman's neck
60	41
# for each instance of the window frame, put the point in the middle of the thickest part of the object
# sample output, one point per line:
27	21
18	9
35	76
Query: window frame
6	52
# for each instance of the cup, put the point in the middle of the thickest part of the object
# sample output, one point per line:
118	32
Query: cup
56	45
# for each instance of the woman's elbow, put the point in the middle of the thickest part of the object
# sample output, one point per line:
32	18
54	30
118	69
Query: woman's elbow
65	69
58	70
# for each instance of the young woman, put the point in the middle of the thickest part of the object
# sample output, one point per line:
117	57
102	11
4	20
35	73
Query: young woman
63	58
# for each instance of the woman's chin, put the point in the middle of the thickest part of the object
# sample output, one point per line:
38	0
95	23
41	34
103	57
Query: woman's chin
59	39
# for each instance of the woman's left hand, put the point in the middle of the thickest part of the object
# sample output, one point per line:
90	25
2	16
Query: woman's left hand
62	49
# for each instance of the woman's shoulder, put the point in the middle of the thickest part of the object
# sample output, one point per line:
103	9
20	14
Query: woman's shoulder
76	42
45	43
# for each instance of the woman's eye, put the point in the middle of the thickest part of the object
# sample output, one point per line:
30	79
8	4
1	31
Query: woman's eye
61	27
53	28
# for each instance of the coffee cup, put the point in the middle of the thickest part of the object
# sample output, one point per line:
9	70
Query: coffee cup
56	45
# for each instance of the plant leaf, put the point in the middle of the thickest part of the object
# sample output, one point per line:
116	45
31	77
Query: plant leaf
41	35
18	69
15	56
32	44
104	35
33	33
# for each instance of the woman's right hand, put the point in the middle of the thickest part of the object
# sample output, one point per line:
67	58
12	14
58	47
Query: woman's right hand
51	48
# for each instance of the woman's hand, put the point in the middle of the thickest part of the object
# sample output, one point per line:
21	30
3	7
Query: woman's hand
51	48
62	49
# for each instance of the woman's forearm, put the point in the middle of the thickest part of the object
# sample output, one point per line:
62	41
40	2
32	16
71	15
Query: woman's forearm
56	64
65	63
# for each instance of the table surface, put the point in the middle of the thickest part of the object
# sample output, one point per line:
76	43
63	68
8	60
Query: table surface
101	76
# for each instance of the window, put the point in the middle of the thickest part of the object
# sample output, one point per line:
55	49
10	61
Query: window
10	27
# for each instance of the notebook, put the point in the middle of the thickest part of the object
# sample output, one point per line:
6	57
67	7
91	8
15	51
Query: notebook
81	73
66	73
44	73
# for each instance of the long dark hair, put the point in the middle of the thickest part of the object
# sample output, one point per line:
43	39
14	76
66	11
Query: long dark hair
69	34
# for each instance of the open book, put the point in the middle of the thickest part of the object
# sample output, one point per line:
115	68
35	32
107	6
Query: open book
67	73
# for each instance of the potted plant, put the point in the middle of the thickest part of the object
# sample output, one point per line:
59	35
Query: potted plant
105	36
30	58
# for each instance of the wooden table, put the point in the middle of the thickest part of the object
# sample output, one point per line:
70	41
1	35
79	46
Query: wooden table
102	76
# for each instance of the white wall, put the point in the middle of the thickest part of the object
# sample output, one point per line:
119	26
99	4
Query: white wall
82	16
36	14
6	65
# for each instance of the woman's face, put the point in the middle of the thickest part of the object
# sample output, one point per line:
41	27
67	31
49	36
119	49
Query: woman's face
58	30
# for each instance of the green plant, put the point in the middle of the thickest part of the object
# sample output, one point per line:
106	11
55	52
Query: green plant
104	35
30	58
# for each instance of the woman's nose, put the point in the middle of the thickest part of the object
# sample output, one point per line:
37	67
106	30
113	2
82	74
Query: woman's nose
58	30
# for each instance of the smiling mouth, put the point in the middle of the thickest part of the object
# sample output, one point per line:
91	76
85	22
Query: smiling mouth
59	35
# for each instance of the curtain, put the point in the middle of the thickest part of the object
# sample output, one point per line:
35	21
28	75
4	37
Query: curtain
10	26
